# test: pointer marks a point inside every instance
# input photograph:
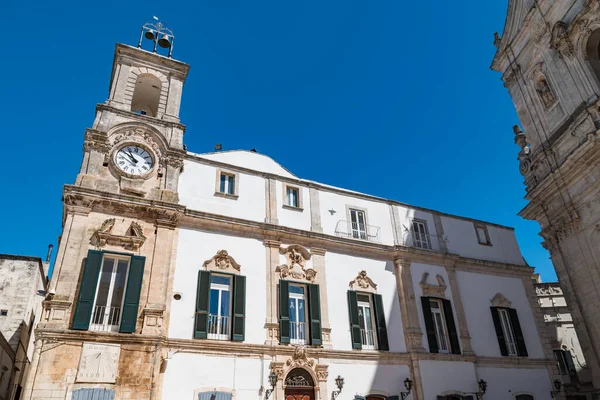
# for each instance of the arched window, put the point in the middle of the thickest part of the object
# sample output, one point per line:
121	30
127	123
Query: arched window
146	95
592	49
524	397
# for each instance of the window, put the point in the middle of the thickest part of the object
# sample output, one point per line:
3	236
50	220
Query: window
214	395
508	331
358	224
31	322
482	234
565	362
299	313
365	318
442	335
146	95
100	394
3	313
109	293
220	307
367	321
292	197
524	397
227	185
439	326
420	235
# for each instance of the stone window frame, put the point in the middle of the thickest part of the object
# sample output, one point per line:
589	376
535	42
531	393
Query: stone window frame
236	183
349	222
477	226
211	389
285	187
4	312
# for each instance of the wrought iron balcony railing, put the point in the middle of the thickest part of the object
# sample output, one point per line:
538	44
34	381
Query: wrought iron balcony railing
423	241
353	230
106	319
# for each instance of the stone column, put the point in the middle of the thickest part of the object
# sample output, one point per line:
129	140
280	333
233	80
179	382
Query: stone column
415	376
272	323
465	337
318	258
315	210
271	201
408	306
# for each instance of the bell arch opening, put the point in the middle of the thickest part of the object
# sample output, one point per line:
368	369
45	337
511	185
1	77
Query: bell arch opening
299	385
592	50
146	95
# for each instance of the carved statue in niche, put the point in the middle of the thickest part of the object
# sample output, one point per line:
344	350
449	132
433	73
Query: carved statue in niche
222	261
363	282
296	257
438	290
133	238
544	91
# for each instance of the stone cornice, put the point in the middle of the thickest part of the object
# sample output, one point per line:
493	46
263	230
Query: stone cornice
310	184
143	119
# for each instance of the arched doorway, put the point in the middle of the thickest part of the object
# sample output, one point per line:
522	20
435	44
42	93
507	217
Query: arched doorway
299	385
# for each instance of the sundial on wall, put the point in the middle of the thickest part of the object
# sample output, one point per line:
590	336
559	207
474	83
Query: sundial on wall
99	363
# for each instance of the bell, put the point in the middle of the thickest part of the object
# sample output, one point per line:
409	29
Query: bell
164	42
149	34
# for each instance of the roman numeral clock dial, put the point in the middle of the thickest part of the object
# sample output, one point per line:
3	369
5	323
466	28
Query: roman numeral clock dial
134	160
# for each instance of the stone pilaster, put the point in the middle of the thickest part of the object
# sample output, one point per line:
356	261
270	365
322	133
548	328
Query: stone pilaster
272	323
271	201
415	376
396	225
408	306
315	210
439	229
318	259
465	337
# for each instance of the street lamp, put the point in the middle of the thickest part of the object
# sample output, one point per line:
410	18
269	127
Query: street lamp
339	381
273	382
557	386
482	388
408	385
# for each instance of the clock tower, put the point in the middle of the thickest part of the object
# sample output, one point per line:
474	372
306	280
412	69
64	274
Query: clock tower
105	313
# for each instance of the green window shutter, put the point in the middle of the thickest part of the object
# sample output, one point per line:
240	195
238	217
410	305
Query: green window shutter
314	314
87	291
284	311
382	337
499	332
429	327
132	294
354	321
451	326
239	308
514	320
202	304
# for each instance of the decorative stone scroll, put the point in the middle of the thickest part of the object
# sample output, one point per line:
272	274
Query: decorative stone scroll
430	290
560	41
363	283
222	262
133	238
317	372
500	301
296	257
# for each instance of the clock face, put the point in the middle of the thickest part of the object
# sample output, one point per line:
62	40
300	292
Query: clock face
134	160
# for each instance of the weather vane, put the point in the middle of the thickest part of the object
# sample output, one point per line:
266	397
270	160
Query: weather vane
159	34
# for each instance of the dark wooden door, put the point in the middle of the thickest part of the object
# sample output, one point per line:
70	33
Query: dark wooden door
300	394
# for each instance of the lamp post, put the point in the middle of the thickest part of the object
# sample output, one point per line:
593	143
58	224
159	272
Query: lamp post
273	382
339	382
557	386
408	385
482	388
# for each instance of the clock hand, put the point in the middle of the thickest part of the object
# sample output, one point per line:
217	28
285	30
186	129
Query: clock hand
132	157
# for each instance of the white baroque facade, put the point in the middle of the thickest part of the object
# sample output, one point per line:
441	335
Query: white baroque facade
204	276
550	63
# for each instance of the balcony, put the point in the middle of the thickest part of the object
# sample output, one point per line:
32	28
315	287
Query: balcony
368	339
297	332
106	319
423	241
353	230
218	327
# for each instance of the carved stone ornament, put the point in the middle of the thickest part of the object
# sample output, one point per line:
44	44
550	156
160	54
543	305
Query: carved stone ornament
363	283
560	41
548	290
223	262
133	238
544	91
430	290
500	301
131	132
296	256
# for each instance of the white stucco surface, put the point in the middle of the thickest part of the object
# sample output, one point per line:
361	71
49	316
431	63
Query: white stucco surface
247	159
477	290
447	377
366	379
294	218
505	383
194	248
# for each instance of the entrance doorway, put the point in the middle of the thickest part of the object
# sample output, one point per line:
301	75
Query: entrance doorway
299	385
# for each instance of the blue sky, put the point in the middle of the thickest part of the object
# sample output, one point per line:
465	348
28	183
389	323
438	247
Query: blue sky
390	98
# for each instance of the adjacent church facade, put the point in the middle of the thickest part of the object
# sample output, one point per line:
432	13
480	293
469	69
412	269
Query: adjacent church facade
549	58
223	276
